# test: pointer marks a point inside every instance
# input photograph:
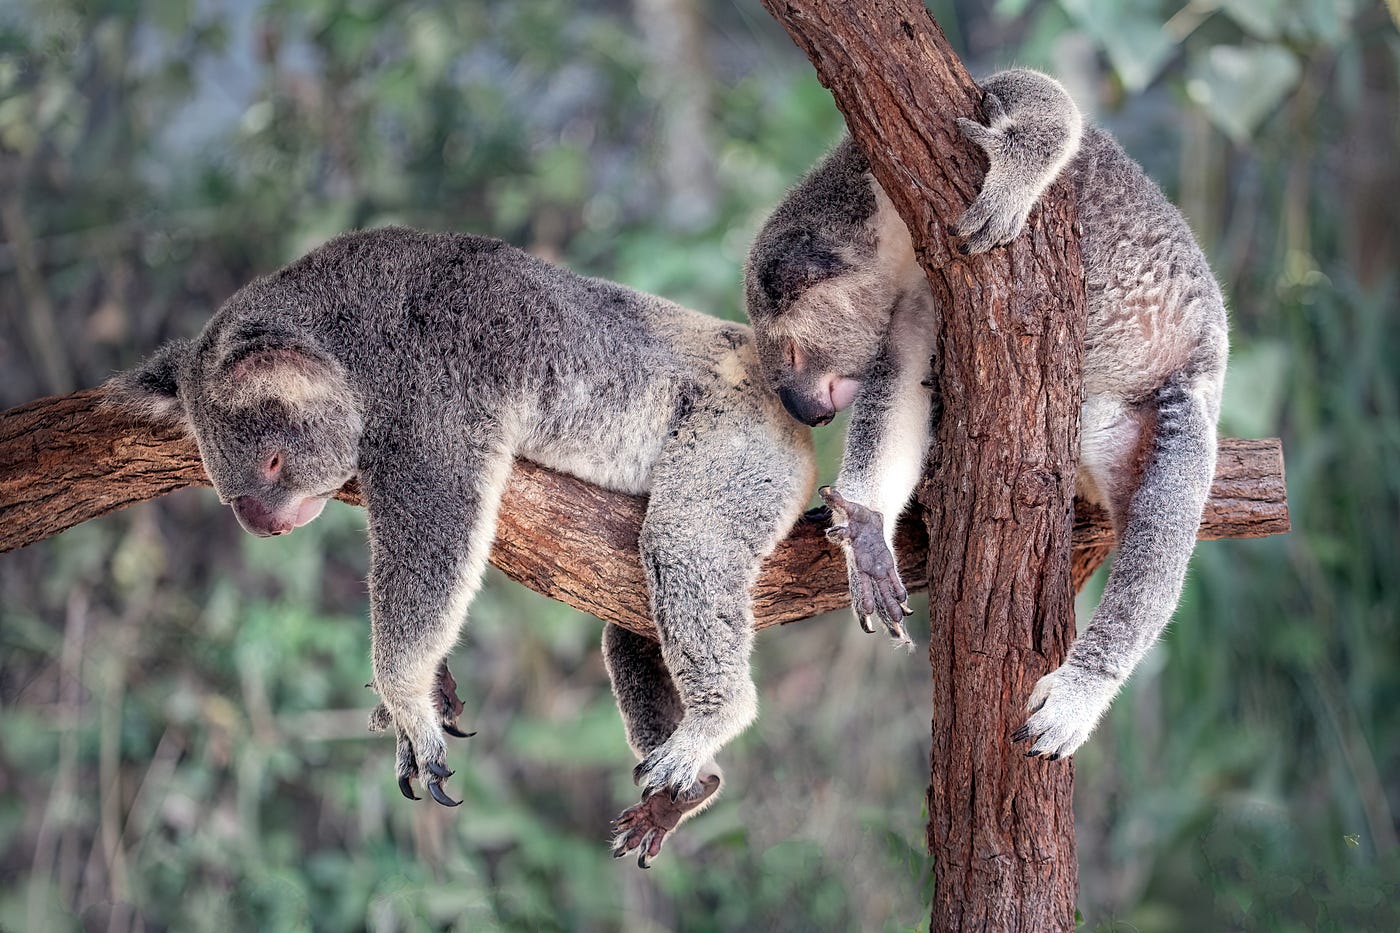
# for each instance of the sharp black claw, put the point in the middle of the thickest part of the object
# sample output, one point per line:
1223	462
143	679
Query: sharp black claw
436	790
1021	734
1032	754
439	770
962	248
453	731
1054	756
406	788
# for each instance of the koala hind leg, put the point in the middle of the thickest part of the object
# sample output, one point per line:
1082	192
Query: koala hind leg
728	485
651	709
1154	471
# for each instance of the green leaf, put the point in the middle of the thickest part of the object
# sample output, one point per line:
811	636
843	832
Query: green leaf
1260	18
1238	86
1130	33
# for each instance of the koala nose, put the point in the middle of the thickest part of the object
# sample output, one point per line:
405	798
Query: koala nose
808	410
256	518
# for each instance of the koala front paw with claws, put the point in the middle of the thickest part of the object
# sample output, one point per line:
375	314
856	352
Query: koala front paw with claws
876	589
1064	708
1000	210
428	756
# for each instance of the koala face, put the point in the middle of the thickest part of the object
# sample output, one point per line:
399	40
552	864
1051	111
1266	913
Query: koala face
819	325
276	462
277	424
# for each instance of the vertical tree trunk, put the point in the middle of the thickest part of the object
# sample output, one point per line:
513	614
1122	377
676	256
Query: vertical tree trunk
997	497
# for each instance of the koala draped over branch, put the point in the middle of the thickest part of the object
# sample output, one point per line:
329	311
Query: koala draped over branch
423	364
843	316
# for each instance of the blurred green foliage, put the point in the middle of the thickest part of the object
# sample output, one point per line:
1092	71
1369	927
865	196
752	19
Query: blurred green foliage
182	740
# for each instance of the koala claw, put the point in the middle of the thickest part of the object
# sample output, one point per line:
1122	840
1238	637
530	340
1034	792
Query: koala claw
406	788
876	589
440	796
449	703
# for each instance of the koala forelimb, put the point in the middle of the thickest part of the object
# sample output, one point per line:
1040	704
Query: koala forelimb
842	314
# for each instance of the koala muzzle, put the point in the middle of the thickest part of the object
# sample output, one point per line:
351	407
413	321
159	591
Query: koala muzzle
810	411
256	518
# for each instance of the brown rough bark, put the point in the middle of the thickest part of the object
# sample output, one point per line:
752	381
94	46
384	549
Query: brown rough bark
64	460
998	502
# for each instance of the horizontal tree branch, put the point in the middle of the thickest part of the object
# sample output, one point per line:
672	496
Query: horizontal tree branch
65	460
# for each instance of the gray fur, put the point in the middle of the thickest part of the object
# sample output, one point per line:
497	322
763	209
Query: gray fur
1154	364
423	364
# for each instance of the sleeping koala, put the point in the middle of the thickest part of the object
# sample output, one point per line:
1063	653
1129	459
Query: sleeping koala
423	364
843	316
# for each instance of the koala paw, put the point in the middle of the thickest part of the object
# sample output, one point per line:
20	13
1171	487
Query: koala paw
999	211
420	752
448	704
672	766
428	761
1065	706
644	826
994	219
876	589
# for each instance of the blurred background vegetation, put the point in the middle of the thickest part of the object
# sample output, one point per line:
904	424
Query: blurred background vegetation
182	741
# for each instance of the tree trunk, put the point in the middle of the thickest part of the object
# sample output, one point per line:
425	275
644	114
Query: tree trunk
998	500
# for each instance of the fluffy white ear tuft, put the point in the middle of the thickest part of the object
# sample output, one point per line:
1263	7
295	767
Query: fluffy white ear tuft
152	390
295	375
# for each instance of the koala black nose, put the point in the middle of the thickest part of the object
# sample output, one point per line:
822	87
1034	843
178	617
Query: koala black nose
806	409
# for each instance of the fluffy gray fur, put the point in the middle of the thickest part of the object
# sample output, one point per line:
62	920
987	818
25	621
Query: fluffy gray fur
423	364
837	300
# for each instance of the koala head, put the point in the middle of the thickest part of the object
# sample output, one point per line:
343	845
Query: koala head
277	423
820	314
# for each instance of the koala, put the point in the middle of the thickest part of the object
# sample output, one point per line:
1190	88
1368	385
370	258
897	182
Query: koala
842	316
423	364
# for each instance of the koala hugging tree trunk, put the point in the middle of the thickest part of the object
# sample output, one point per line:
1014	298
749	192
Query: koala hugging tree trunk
997	497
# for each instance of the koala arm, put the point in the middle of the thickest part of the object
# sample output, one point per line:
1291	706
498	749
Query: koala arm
886	446
1033	129
432	507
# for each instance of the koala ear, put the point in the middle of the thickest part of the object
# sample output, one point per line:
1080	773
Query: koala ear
152	390
796	262
264	365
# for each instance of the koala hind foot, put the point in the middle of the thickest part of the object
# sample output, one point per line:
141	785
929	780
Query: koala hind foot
645	825
876	589
1064	708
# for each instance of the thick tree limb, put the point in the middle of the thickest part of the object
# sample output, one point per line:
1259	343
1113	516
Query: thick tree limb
64	461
